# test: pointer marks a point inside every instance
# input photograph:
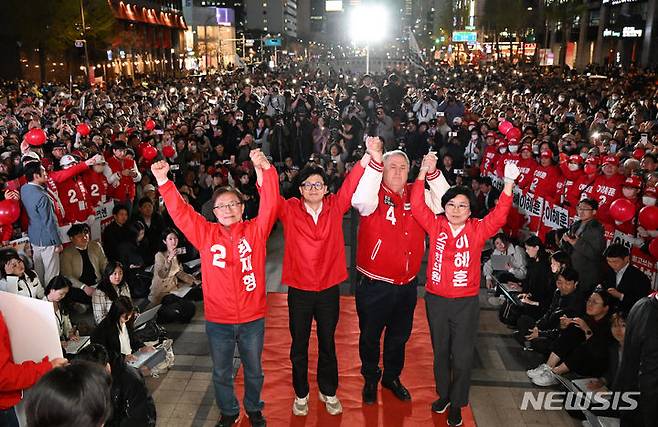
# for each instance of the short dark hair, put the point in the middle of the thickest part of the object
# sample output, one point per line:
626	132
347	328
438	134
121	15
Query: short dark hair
503	238
484	180
456	191
78	228
603	293
119	207
31	169
144	200
94	353
312	170
569	274
533	241
616	250
591	203
73	395
122	305
562	257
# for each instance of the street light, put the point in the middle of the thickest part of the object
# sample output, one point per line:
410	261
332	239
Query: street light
369	24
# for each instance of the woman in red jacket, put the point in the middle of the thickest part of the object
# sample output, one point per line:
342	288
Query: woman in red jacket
313	267
16	377
453	281
233	281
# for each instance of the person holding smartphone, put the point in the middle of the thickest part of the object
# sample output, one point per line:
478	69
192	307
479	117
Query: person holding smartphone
168	274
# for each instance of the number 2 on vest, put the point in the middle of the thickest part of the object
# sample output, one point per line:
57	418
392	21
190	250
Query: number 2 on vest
219	254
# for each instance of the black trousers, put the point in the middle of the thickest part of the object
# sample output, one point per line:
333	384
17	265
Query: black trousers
380	306
303	307
453	326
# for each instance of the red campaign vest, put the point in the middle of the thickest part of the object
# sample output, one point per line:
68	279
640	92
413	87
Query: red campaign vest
489	158
545	182
98	187
605	191
391	243
527	168
505	159
126	188
75	200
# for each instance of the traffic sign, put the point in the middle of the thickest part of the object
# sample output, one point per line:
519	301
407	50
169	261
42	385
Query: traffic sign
464	36
249	42
273	42
79	43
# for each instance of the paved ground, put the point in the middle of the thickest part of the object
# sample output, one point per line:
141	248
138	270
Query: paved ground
184	396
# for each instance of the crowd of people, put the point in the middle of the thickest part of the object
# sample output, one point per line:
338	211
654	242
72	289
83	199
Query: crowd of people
203	167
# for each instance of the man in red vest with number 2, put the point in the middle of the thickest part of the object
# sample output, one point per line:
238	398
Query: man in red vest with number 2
233	280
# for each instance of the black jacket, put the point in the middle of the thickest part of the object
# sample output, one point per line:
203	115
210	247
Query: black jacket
132	404
634	284
639	362
568	305
539	281
107	334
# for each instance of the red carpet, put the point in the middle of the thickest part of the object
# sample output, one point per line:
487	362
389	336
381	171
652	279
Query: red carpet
278	393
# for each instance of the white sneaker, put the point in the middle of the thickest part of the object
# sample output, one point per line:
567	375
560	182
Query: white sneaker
546	379
333	404
300	406
534	373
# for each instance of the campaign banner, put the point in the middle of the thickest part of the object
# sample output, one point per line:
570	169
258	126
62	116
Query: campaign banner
103	218
623	239
556	217
646	263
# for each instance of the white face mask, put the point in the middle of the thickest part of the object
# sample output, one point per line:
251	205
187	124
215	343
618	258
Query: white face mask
628	192
502	150
513	148
213	122
573	167
583	155
648	201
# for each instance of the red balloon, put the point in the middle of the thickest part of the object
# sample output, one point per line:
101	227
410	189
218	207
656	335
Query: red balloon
622	210
10	210
150	124
168	151
83	129
638	153
504	127
513	133
653	247
141	147
648	217
150	153
36	137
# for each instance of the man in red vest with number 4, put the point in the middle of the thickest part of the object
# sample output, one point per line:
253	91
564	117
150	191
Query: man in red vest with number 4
233	280
390	248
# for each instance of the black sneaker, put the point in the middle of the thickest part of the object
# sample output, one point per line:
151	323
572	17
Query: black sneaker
369	393
227	420
455	416
440	405
256	419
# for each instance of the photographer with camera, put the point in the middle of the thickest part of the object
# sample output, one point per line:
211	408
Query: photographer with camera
425	108
303	103
274	102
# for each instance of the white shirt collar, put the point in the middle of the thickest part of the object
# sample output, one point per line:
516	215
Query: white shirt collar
314	214
620	273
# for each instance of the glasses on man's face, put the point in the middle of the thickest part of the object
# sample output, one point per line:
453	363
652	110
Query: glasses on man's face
456	207
315	185
583	209
229	205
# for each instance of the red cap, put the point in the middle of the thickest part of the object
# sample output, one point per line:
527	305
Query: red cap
610	160
632	181
546	154
526	148
513	141
592	161
491	134
575	158
651	192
